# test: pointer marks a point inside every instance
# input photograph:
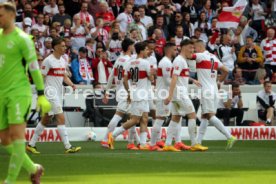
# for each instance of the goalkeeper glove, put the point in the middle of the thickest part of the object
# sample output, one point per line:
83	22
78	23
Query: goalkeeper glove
43	105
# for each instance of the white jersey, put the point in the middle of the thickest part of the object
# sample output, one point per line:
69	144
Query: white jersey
163	78
54	70
124	20
153	65
181	69
138	71
207	65
118	73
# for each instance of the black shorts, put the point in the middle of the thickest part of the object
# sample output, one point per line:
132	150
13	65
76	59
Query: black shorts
262	114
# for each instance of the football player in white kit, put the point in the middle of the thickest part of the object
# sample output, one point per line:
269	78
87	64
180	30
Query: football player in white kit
138	73
181	103
162	87
53	70
117	73
207	65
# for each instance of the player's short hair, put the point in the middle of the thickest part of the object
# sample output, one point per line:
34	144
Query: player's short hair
83	50
168	45
56	41
185	42
8	6
140	46
266	83
126	43
235	85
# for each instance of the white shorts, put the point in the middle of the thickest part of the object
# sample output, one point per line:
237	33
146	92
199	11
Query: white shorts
56	104
137	108
209	103
152	105
183	107
123	106
162	110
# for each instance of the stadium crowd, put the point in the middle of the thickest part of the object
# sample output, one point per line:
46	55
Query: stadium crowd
94	29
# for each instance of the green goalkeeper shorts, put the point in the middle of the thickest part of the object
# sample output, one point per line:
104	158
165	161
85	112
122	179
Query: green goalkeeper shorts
14	110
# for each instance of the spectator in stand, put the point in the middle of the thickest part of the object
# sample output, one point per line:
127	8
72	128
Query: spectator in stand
265	103
237	39
140	2
159	24
61	16
99	31
79	33
231	106
197	33
152	10
72	55
133	34
205	26
46	50
93	7
190	7
247	30
106	15
51	9
210	13
81	69
166	4
227	55
47	21
115	46
116	7
146	20
57	26
268	46
85	18
28	12
258	13
101	66
66	28
26	25
37	41
160	43
38	5
188	24
250	58
40	26
125	18
178	21
237	77
91	48
179	37
139	26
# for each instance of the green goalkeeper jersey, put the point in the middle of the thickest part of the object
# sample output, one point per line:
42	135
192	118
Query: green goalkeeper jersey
17	51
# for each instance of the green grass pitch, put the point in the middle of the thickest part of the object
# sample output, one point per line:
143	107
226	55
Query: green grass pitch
248	162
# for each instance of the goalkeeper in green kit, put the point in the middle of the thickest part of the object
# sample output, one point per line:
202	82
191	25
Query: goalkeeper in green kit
17	55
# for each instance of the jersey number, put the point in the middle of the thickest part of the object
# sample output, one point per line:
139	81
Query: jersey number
134	74
120	72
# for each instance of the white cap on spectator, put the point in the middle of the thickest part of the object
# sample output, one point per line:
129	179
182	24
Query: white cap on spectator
48	39
28	21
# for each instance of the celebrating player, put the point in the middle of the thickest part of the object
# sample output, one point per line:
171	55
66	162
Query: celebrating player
123	106
162	85
53	69
181	103
17	53
139	73
207	66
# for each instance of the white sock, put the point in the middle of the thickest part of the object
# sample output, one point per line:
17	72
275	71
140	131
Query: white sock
112	125
137	137
178	132
172	129
143	138
118	131
38	131
64	136
219	125
202	130
192	130
156	131
131	134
